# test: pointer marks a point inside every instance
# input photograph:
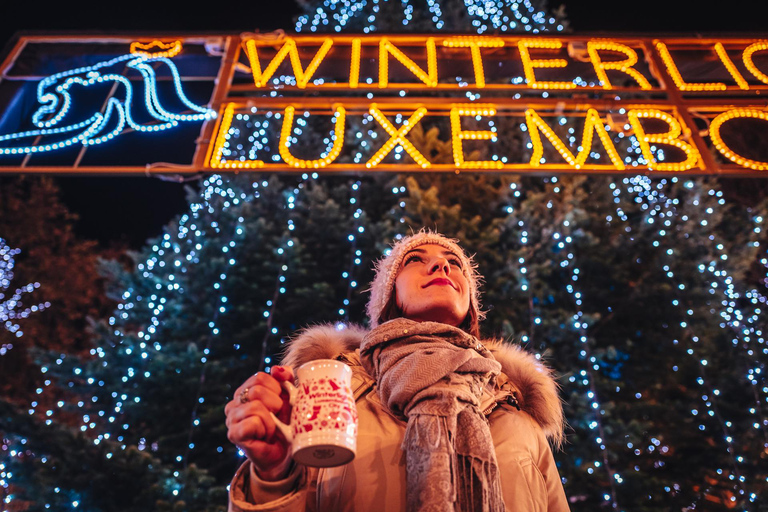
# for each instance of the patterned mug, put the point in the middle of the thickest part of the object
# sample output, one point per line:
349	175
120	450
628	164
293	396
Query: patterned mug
323	426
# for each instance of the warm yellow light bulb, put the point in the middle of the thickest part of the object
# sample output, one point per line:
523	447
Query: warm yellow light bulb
354	63
285	134
625	66
166	50
681	84
458	135
747	58
217	161
289	48
728	63
397	136
386	48
474	44
717	140
592	124
669	138
529	64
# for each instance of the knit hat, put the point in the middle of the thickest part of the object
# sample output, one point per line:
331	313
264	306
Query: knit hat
388	267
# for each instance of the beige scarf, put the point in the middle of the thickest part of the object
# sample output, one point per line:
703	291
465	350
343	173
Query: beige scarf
432	375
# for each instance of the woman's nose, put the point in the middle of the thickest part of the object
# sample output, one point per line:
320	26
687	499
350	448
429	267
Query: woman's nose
440	264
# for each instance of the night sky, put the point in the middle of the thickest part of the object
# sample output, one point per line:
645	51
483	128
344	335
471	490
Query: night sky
129	210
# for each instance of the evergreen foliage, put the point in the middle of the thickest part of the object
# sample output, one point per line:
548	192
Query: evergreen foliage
34	219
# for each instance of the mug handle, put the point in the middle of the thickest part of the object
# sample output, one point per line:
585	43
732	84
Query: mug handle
286	430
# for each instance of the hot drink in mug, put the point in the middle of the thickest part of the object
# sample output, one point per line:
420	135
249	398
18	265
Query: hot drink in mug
323	426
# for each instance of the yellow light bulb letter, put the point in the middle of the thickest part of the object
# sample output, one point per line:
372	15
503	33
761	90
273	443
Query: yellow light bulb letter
747	58
717	140
289	49
670	138
386	48
625	66
681	84
474	44
592	124
397	136
728	63
285	133
458	135
354	63
529	64
217	161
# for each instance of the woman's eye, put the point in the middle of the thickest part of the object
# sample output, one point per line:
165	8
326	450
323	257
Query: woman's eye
412	259
456	262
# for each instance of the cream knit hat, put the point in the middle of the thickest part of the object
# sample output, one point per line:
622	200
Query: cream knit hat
388	267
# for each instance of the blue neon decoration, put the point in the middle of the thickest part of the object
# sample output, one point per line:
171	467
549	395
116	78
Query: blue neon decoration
56	100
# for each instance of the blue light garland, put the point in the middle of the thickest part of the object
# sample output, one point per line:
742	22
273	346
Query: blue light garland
355	253
286	245
745	329
561	238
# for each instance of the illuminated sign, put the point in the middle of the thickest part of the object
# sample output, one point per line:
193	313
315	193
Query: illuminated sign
417	103
56	103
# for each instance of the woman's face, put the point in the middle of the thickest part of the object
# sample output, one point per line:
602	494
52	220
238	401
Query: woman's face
431	286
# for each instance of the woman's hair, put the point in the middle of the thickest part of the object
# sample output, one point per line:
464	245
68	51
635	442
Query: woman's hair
470	324
382	305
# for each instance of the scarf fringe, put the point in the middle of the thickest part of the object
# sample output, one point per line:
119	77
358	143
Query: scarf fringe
480	490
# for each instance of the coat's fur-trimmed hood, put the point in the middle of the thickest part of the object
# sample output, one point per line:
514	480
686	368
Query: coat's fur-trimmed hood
538	388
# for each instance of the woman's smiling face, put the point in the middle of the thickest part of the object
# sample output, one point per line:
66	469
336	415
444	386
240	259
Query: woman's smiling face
431	286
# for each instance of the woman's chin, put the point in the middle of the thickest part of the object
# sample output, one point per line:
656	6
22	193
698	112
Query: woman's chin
441	315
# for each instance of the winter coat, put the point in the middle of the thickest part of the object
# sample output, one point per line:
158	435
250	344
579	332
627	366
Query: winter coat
522	417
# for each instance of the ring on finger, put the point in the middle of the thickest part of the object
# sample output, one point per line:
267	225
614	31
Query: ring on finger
244	396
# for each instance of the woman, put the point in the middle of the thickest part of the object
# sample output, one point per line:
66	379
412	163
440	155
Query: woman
446	422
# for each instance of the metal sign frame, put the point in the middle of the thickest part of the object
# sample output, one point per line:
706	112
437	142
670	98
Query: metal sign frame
684	99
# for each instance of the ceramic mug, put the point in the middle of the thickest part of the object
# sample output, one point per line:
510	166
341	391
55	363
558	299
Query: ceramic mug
323	425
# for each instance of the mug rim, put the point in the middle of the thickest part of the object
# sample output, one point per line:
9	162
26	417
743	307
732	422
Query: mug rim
334	362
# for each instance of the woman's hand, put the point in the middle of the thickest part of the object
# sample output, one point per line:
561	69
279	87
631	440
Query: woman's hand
251	428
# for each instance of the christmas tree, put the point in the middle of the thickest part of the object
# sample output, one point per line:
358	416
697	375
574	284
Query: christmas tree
50	312
33	218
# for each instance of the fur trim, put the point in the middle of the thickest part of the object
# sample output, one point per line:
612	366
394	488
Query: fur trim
535	381
322	342
538	388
